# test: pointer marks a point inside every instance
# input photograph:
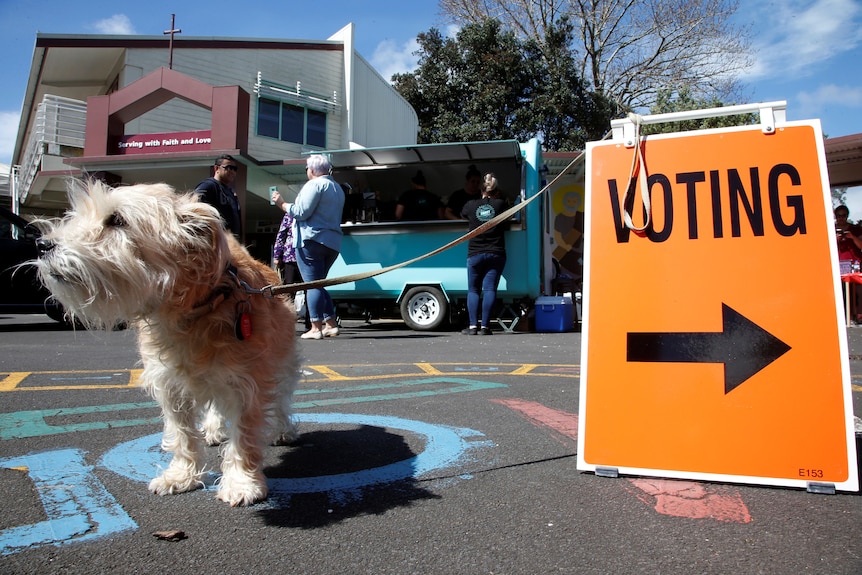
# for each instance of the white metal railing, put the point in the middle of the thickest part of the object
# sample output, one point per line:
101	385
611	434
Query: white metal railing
60	122
771	113
5	178
295	94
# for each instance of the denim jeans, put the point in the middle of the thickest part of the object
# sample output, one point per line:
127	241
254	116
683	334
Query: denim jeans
483	276
314	260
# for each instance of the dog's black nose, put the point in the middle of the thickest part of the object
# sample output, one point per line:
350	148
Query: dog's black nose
44	246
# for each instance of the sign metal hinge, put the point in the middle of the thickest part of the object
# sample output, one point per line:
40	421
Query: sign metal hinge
821	488
607	472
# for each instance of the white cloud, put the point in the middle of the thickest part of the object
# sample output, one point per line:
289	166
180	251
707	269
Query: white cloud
452	30
389	58
8	133
793	36
844	96
117	24
829	96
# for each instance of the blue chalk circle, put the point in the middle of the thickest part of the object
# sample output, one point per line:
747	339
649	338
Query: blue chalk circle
445	447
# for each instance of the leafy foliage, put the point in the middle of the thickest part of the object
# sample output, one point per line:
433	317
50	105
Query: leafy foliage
629	50
488	84
667	102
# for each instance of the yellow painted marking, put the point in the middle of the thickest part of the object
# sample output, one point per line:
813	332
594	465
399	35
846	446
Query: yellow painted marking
135	377
11	381
524	369
330	374
429	369
18	377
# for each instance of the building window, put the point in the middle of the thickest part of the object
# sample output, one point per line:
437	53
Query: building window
291	123
267	118
316	131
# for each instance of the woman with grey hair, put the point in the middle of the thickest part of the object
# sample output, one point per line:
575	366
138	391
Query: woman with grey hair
317	211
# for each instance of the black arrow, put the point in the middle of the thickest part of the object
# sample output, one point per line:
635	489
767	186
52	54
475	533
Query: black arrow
742	346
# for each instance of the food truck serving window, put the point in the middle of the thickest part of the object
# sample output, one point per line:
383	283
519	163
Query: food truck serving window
375	178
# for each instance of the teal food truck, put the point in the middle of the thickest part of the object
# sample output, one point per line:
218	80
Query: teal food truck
432	292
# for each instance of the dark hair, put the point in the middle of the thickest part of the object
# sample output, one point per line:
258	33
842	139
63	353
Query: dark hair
843	208
419	178
472	172
228	157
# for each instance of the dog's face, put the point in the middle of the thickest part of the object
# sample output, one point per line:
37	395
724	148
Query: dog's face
119	254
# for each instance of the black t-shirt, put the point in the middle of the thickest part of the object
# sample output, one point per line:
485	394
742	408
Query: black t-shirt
477	213
222	198
420	205
458	199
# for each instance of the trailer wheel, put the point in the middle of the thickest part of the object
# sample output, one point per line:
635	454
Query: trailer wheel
424	308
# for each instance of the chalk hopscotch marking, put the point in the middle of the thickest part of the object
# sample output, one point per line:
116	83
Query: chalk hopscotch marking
23	424
689	499
77	505
79	508
142	459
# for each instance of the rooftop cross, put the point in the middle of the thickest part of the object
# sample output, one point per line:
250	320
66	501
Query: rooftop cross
172	31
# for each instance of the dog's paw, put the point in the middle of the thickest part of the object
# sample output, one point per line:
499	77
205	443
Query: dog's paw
287	438
164	485
241	490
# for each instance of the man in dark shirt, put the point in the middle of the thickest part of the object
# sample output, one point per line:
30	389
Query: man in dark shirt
417	203
218	192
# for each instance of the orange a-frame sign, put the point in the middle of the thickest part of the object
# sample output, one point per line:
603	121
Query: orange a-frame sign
714	345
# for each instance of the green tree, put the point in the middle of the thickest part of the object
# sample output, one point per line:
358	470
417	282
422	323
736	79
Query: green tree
487	84
628	50
565	112
668	101
839	197
467	88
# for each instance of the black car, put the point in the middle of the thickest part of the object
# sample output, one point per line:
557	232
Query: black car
20	289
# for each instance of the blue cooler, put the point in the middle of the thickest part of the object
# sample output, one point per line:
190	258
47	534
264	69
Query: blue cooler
554	314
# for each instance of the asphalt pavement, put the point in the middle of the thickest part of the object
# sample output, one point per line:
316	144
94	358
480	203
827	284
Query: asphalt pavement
419	453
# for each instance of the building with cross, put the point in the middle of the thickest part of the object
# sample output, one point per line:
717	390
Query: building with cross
131	109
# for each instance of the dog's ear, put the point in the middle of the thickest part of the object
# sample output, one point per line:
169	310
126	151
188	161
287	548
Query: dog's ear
84	193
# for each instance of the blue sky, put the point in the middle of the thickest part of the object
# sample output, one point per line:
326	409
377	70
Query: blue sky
808	52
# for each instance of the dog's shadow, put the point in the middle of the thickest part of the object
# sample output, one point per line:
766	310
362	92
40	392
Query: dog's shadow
351	454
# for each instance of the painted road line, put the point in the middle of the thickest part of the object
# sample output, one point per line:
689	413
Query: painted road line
460	386
524	369
77	506
396	370
14	381
30	380
23	424
562	422
688	499
429	369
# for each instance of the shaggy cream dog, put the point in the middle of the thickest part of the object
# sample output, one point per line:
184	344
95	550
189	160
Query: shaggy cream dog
218	357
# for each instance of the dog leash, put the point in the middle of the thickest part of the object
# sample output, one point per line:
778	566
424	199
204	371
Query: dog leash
271	291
